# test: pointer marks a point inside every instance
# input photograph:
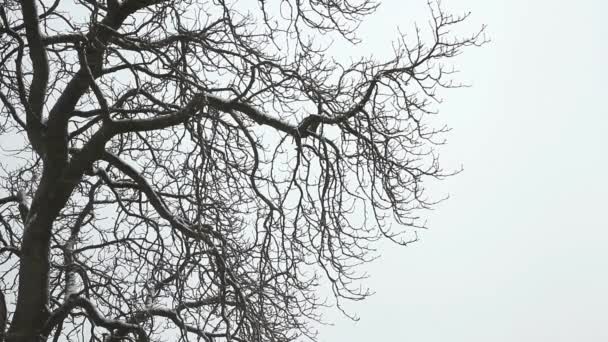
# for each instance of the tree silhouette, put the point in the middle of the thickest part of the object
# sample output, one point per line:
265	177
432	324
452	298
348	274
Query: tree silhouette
196	170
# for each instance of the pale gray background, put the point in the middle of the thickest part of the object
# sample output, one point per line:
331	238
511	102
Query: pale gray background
520	251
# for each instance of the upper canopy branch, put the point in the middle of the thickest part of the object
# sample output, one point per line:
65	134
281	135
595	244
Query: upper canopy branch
199	101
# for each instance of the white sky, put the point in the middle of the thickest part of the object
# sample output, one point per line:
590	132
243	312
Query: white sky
520	251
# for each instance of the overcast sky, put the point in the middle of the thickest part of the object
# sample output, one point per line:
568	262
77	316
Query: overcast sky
520	251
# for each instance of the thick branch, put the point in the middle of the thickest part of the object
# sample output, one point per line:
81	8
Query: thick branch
155	200
195	106
40	65
93	315
79	84
64	38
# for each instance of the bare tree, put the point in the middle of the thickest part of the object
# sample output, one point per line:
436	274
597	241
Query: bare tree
196	170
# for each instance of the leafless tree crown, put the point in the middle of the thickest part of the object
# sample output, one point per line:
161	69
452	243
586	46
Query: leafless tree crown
197	170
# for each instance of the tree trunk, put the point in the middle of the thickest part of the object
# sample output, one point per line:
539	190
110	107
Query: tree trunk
3	314
31	312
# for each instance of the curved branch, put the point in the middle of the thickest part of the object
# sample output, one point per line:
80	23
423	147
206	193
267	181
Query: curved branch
174	317
93	315
155	200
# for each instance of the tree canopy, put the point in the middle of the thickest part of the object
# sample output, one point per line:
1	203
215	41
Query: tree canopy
198	170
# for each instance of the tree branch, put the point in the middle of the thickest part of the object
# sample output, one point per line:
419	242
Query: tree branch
195	105
23	206
40	65
93	315
154	199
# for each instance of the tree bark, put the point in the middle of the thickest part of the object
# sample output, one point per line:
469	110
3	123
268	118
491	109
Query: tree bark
31	312
3	314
